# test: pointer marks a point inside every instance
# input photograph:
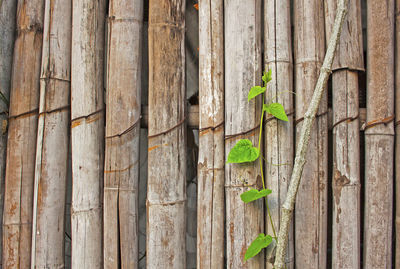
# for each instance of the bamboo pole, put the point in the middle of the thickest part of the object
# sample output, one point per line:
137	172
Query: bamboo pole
87	132
379	135
121	168
24	102
211	178
8	10
346	248
397	139
242	71
279	145
311	205
166	191
52	139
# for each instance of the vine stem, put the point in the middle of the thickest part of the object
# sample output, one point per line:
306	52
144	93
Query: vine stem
305	134
261	165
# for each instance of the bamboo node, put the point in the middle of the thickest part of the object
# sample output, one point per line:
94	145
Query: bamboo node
347	119
318	115
32	112
77	121
377	122
170	129
67	107
127	130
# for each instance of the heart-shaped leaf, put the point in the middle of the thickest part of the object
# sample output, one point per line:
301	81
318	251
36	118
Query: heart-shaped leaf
267	76
243	152
276	110
254	194
262	241
256	90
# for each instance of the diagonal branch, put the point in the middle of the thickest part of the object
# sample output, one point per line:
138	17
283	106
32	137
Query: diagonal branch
300	160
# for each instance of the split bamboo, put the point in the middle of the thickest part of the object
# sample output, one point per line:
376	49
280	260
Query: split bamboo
52	138
397	139
87	132
242	71
8	10
311	205
166	191
279	145
24	103
379	135
346	225
211	178
121	168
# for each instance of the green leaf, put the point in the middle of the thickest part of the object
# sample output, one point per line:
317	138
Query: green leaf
254	194
262	241
243	152
276	110
267	76
256	90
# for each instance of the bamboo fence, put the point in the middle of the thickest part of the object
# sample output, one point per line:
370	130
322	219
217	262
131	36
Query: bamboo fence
71	73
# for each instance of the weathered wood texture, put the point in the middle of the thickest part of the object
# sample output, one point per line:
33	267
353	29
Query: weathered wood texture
346	225
87	132
8	10
242	71
379	136
121	168
279	145
311	205
24	102
52	138
166	191
397	139
211	178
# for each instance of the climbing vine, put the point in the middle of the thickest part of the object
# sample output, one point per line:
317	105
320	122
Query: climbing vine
245	152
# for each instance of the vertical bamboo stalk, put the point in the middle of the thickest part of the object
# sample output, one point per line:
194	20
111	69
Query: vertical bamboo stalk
397	139
311	206
87	132
52	138
24	102
346	248
279	146
211	178
121	171
242	71
166	191
379	135
8	10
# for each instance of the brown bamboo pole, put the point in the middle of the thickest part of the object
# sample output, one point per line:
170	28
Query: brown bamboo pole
87	132
379	135
242	71
311	204
166	191
211	178
24	102
52	138
279	145
121	168
8	10
346	248
397	129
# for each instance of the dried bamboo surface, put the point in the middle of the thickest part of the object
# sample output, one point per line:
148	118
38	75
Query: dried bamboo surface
279	146
121	168
242	71
311	205
24	103
397	138
211	178
87	132
8	10
346	249
379	135
52	138
166	191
